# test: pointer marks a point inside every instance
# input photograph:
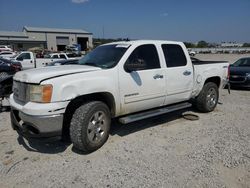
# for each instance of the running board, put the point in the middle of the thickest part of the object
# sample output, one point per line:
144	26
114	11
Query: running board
154	112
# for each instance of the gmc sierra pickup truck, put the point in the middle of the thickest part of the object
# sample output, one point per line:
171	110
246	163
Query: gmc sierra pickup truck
129	81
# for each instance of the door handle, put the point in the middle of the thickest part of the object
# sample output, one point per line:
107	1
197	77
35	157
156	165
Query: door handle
158	76
187	73
31	61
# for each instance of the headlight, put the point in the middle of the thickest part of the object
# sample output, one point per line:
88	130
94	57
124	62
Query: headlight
41	93
248	75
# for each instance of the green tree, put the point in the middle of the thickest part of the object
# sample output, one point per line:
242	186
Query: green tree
246	45
202	44
189	45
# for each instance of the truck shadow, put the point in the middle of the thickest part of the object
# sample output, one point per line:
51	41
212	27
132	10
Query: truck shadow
42	146
124	130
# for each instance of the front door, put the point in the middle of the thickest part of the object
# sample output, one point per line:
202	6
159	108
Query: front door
143	88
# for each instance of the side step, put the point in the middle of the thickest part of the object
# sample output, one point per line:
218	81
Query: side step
154	112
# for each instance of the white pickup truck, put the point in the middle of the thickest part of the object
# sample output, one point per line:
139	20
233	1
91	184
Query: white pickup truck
28	59
129	81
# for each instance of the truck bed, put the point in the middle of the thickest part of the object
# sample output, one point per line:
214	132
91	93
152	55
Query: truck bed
196	61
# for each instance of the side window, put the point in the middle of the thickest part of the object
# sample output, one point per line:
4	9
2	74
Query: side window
146	55
55	56
25	56
62	56
174	55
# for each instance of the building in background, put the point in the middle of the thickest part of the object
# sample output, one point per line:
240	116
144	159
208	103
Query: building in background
47	38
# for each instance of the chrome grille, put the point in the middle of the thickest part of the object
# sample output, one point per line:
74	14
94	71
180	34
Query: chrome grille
20	91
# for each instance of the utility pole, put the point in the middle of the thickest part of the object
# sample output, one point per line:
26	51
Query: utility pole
103	32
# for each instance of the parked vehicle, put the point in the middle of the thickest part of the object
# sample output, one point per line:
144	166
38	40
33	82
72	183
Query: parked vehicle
129	81
5	48
7	54
65	62
240	73
61	56
29	61
7	70
75	49
8	67
191	52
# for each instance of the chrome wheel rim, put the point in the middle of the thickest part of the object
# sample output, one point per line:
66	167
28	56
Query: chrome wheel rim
97	127
211	97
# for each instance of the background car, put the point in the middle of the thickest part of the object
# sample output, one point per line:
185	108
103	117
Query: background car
240	73
64	62
7	70
5	48
7	54
8	67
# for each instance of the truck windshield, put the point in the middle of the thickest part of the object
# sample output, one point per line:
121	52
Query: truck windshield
106	56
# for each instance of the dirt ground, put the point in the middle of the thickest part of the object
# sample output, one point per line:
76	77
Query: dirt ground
165	151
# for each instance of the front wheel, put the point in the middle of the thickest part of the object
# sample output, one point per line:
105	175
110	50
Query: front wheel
90	125
208	97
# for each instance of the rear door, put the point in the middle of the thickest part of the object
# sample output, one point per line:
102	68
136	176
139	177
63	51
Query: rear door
145	88
178	73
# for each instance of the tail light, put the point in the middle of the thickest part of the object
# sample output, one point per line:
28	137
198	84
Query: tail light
228	72
16	67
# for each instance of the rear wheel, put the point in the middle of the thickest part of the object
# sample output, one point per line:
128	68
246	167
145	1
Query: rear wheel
90	125
208	97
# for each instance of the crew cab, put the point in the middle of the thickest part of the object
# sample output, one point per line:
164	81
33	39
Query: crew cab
128	80
28	59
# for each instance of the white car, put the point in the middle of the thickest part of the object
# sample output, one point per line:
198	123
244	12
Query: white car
191	52
7	54
5	48
130	81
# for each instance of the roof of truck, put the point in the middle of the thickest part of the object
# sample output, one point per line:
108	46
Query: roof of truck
140	42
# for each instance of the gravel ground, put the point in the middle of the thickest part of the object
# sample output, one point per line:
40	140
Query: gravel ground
166	151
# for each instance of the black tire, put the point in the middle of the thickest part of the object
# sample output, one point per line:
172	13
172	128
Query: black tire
86	132
207	100
3	75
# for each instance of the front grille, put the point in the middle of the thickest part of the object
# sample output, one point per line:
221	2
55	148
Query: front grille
20	91
237	78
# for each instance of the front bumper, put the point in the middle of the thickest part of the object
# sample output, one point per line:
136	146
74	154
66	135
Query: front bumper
38	120
37	126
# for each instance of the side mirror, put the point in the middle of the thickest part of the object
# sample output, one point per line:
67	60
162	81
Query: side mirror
19	59
135	66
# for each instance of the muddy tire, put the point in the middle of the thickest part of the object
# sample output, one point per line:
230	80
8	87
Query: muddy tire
208	97
90	125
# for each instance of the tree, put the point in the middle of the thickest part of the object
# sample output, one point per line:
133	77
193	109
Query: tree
202	44
189	45
246	45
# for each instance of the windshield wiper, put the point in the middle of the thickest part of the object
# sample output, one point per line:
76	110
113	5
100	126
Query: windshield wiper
91	64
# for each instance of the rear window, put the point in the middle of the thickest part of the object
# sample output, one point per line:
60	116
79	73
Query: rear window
174	55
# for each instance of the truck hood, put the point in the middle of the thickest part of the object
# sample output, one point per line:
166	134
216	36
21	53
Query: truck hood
40	74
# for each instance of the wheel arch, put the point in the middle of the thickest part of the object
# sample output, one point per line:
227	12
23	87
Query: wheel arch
214	79
104	97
